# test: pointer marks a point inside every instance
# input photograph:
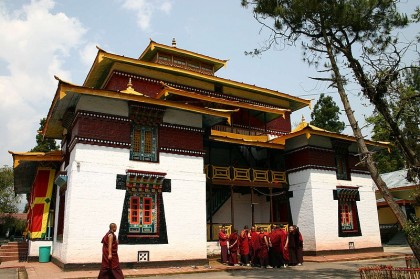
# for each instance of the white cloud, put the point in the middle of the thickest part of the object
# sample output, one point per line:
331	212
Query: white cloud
145	9
88	53
34	43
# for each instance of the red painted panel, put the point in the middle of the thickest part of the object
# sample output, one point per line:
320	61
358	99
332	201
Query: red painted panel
41	183
102	129
37	214
118	83
180	139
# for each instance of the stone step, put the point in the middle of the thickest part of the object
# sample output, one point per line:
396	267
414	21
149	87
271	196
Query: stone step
14	251
13	248
15	243
9	258
8	252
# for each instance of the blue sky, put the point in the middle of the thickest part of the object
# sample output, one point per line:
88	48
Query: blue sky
43	38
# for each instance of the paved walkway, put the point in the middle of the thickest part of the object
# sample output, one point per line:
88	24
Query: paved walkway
35	270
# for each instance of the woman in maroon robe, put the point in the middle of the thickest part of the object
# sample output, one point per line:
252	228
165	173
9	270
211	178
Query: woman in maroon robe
244	246
233	247
110	268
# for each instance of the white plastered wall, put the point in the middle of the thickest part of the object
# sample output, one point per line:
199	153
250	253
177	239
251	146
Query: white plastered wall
92	202
315	211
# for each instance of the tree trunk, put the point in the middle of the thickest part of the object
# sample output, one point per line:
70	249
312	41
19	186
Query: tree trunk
399	214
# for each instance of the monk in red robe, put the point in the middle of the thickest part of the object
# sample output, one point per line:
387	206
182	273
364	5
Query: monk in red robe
299	246
264	247
283	246
244	246
233	248
110	268
255	244
223	239
276	250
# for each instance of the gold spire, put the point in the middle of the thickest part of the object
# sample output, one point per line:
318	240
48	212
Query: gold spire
130	89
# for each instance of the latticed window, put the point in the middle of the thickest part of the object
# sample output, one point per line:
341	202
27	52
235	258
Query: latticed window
134	210
142	213
341	159
147	211
144	143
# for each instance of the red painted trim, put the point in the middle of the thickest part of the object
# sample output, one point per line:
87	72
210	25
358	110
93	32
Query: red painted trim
147	213
134	207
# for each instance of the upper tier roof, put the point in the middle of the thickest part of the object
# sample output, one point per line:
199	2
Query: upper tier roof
154	48
106	63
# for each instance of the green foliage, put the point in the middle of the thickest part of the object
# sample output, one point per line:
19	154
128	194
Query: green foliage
404	105
326	115
412	231
8	200
12	225
43	144
348	21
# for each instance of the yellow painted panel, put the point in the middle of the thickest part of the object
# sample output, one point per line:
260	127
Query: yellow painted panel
386	216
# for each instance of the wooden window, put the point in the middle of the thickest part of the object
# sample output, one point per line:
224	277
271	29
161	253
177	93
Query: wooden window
341	159
195	66
207	69
341	165
144	143
147	211
179	62
164	59
134	210
136	140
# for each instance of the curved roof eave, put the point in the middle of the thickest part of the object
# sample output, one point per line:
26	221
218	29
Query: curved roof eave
104	61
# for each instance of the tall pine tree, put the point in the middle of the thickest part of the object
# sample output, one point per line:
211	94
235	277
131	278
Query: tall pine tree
326	115
43	144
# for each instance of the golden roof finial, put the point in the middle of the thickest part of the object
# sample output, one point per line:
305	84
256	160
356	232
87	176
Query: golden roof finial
130	89
303	119
173	42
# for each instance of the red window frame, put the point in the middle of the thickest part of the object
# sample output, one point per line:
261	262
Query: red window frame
147	210
134	210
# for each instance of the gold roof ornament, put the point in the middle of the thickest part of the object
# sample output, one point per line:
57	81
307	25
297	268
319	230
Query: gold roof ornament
130	89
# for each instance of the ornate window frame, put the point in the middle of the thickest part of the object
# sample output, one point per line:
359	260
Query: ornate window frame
143	216
348	216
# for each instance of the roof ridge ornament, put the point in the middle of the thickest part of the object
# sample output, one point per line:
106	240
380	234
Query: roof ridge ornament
130	89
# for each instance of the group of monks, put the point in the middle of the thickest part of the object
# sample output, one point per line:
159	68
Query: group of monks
257	248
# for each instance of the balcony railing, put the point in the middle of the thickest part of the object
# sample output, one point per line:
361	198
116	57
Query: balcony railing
244	174
247	131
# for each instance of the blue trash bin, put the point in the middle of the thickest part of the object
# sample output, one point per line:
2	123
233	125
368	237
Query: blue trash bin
44	254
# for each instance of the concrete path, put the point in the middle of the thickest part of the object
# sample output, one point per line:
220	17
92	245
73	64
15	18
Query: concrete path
320	265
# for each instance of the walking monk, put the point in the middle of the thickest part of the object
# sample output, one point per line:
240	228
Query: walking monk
110	268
